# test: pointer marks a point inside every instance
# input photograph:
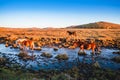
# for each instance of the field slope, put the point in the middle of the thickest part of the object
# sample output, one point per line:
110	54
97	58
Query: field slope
98	25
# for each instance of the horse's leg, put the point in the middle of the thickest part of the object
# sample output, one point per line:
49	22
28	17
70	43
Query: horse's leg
82	48
93	51
93	48
32	54
97	50
25	49
93	59
21	47
32	50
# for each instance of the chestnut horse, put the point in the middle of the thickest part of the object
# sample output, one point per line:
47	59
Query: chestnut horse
86	45
25	43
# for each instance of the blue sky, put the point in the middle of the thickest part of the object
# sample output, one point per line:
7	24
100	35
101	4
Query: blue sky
57	13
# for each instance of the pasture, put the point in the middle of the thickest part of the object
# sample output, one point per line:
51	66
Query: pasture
54	53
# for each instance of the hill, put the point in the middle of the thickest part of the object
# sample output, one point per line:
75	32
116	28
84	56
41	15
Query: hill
98	25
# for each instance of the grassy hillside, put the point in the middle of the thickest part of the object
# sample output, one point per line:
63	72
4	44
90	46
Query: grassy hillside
98	25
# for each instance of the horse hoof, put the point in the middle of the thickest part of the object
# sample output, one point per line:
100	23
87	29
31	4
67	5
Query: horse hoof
92	53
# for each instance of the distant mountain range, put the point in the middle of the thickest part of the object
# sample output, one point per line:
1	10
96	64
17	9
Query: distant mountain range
97	25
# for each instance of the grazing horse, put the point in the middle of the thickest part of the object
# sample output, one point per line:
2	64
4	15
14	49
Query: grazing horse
25	43
86	45
71	33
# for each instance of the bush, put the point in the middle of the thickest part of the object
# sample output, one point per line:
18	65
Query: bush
82	53
62	57
116	52
48	55
2	60
116	59
60	77
25	56
55	49
22	54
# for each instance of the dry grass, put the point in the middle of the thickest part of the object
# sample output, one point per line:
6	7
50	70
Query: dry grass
102	34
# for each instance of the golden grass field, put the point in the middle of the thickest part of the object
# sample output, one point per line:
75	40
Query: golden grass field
37	33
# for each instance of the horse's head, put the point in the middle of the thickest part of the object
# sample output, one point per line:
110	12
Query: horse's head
17	42
88	46
76	44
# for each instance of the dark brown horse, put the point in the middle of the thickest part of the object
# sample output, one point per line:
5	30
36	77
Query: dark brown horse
70	33
86	45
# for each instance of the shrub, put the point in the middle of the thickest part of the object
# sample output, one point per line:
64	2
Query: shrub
48	55
116	52
116	59
62	57
82	53
2	60
55	49
22	54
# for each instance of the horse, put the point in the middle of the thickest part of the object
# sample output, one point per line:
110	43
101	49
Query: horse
25	43
87	45
71	33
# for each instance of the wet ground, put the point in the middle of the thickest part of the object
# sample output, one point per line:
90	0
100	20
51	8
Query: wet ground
104	59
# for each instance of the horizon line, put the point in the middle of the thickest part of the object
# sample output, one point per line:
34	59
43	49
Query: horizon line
54	26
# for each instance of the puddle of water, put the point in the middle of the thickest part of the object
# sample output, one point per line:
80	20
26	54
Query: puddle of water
52	63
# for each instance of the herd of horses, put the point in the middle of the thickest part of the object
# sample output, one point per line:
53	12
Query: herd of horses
25	44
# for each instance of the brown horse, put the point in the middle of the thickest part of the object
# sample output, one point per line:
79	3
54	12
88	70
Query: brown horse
70	33
86	45
25	43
